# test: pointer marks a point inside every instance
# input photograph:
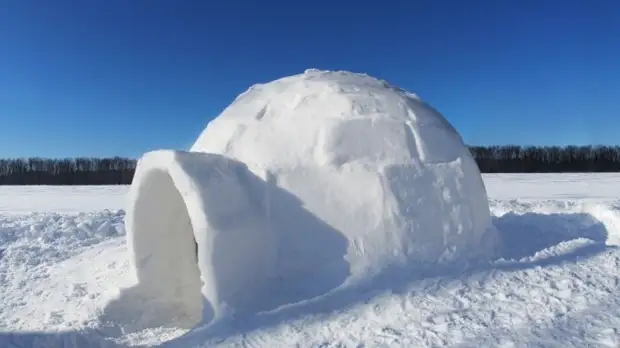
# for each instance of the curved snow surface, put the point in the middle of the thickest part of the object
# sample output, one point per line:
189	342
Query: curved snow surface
374	162
556	286
387	173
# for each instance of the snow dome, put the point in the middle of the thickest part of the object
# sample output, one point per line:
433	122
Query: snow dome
302	186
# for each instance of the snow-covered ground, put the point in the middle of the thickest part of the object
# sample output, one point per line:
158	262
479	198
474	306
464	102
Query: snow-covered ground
60	199
63	258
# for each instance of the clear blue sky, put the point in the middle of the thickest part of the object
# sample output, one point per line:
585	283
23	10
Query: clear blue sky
121	77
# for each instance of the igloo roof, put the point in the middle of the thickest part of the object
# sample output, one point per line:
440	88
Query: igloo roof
372	160
295	111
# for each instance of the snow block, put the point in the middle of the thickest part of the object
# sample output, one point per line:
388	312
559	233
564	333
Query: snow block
194	232
303	185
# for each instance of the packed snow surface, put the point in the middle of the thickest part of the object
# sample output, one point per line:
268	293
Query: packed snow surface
556	283
30	199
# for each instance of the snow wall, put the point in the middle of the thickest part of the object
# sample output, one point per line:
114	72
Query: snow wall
303	185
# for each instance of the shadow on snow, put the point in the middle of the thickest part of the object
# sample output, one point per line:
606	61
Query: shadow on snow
301	238
62	339
522	236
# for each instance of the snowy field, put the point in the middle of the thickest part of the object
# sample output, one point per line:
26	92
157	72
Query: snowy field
63	259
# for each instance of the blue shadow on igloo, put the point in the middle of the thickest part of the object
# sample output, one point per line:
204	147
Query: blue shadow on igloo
206	234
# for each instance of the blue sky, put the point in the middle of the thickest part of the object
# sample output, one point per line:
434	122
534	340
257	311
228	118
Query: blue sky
121	77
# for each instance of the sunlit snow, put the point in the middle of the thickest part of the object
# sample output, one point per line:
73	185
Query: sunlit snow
557	287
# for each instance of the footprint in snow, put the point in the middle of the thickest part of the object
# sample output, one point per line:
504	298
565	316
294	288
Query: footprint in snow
55	317
78	290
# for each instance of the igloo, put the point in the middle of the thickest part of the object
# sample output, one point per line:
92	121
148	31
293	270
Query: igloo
302	186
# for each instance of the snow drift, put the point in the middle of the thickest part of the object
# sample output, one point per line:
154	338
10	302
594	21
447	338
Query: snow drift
301	186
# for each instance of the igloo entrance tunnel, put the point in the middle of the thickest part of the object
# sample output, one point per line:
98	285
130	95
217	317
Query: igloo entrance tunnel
303	185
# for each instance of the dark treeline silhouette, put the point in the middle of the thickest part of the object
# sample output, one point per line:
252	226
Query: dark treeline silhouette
546	159
74	171
490	159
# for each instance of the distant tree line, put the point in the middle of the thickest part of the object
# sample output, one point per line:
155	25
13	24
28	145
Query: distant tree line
69	171
490	159
546	159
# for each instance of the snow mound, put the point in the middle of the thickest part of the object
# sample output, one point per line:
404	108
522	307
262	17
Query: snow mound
303	185
373	161
36	237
